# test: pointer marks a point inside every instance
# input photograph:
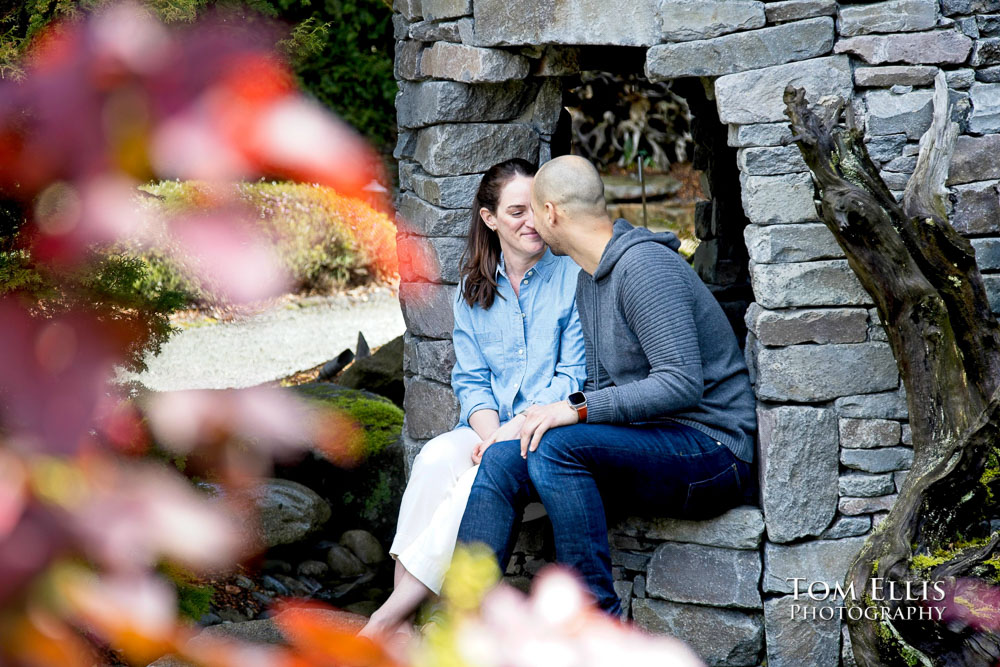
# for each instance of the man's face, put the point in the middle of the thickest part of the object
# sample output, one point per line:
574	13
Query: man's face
543	224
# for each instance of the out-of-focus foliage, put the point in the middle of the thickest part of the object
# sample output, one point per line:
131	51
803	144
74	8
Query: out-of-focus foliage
341	50
616	118
91	527
121	286
322	239
479	623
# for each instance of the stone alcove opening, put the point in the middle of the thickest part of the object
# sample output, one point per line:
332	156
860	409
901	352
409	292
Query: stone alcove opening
716	221
595	96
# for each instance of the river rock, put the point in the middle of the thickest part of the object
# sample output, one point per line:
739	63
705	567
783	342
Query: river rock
796	638
287	511
364	545
574	22
704	575
701	19
757	96
380	373
343	563
891	16
726	637
818	560
817	373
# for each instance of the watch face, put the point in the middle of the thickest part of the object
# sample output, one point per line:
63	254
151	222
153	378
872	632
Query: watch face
576	399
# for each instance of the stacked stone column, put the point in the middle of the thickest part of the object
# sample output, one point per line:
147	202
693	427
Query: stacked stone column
461	108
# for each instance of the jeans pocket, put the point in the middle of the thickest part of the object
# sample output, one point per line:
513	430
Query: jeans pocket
713	496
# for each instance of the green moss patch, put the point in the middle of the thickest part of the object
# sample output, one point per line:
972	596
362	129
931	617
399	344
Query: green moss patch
380	419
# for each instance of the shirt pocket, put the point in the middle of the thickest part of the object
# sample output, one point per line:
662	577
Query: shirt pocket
490	344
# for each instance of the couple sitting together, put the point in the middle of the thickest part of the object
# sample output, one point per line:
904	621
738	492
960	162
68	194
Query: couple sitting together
593	366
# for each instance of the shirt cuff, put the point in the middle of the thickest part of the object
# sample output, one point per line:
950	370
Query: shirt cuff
481	404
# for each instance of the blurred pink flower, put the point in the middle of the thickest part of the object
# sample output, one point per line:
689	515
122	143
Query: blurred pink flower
52	374
135	613
13	491
229	256
117	99
971	602
267	418
262	422
131	516
119	425
559	626
28	548
70	218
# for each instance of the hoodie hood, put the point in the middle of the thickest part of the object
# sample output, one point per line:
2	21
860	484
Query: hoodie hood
624	237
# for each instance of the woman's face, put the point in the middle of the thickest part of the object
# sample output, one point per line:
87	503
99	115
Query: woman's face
513	221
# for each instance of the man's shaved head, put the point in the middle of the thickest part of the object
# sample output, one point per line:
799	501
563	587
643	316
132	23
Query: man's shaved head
571	183
568	210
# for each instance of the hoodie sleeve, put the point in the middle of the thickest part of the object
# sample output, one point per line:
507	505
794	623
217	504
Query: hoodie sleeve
657	300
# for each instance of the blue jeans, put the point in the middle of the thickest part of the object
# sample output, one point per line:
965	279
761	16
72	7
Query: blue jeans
658	469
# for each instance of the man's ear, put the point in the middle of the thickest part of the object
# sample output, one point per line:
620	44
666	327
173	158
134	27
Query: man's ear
550	209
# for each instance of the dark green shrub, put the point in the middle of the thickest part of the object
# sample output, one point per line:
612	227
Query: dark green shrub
341	50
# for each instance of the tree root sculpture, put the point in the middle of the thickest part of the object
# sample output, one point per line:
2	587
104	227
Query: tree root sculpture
923	277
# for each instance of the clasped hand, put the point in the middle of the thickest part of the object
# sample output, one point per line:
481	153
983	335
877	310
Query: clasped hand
529	427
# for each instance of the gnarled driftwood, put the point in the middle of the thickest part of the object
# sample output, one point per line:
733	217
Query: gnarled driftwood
923	277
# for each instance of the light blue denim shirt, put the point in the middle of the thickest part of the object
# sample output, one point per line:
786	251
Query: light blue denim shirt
524	349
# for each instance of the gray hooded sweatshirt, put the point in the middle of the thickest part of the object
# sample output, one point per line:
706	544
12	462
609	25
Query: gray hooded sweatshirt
659	347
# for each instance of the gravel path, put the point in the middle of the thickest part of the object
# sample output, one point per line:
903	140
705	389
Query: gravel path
273	344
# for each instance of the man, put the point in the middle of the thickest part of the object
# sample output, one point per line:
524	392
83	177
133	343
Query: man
666	422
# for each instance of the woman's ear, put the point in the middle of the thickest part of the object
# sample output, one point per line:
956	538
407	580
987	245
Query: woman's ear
488	218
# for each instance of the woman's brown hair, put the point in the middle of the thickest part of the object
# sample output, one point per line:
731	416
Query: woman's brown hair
482	249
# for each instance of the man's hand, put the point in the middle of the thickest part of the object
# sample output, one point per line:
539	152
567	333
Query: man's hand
509	431
540	418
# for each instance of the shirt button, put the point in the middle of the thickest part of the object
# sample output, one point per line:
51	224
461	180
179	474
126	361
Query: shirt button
528	273
523	315
520	351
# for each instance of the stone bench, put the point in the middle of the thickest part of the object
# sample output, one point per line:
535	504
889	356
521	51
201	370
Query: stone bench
696	580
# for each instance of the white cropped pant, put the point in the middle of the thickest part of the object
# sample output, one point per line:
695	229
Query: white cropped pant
433	504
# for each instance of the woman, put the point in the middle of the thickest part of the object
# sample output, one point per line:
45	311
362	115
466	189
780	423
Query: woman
517	341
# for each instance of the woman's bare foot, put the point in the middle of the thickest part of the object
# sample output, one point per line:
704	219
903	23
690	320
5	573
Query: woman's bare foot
394	613
379	626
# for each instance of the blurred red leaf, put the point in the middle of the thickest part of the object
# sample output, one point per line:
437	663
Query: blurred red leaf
40	639
322	638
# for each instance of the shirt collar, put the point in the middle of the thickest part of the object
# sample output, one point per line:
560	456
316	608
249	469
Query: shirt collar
543	267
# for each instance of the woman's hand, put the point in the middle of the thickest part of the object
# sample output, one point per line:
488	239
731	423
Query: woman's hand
509	431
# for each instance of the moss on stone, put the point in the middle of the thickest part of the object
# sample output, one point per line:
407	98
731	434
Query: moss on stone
379	499
194	598
379	418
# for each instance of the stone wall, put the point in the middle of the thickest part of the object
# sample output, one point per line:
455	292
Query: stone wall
480	82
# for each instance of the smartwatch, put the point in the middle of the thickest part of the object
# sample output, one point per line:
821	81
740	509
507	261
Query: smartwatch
578	402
